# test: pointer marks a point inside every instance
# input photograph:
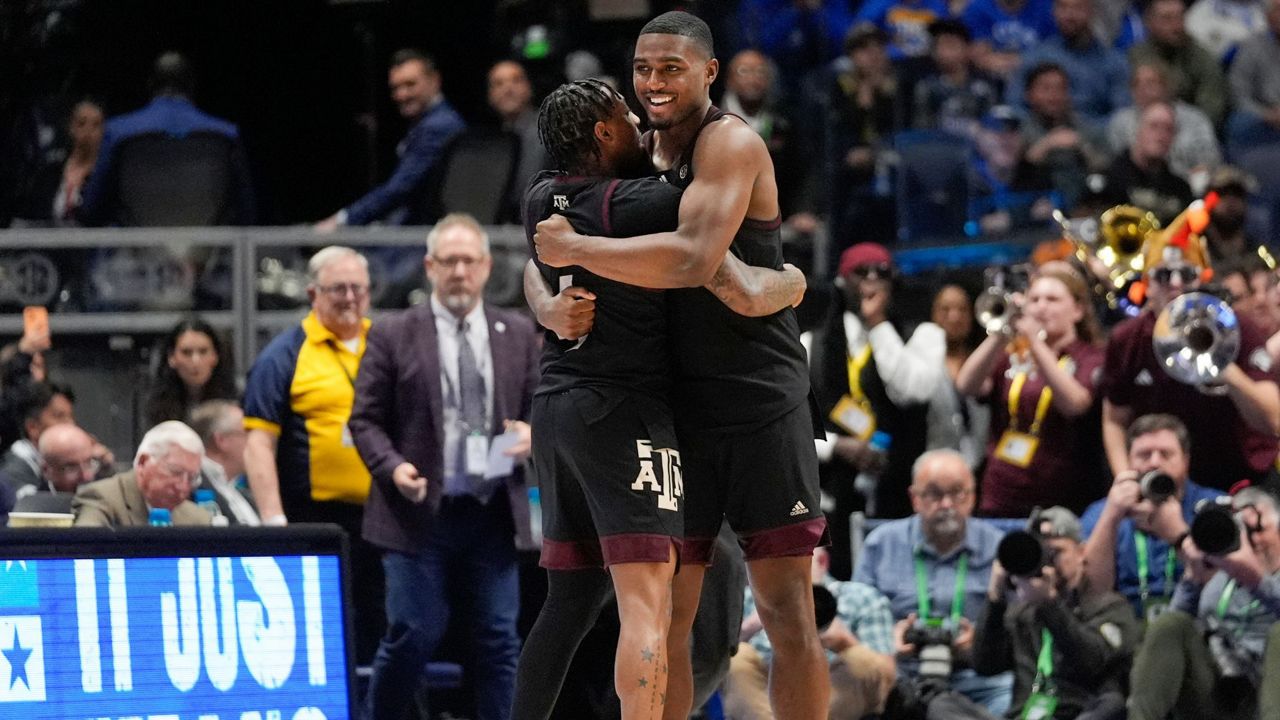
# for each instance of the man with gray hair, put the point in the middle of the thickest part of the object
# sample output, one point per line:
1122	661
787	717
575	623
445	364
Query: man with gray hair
220	424
438	384
165	469
951	555
299	456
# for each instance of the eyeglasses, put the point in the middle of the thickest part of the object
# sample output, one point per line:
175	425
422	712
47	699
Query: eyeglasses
935	495
339	290
881	270
168	470
1185	274
466	261
88	467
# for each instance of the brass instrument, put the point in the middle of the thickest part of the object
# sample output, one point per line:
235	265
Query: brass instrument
1111	248
1195	337
997	306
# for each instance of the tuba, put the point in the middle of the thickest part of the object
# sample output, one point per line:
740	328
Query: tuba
1196	336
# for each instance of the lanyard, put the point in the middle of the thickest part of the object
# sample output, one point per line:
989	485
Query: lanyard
922	587
1042	405
856	364
1044	663
337	357
1144	567
1225	600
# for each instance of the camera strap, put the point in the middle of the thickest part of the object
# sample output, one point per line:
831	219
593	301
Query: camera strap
923	602
1142	548
1225	601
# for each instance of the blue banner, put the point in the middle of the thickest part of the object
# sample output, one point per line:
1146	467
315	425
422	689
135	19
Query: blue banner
230	638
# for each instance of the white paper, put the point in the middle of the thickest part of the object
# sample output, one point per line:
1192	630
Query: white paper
501	465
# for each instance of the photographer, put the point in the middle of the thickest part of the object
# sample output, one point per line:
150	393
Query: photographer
1122	552
1217	652
950	554
857	634
1067	642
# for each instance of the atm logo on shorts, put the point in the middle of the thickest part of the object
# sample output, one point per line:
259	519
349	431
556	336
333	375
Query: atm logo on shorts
670	488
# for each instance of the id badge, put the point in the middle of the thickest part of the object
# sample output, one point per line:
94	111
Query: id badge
1039	707
1017	448
854	417
347	440
477	454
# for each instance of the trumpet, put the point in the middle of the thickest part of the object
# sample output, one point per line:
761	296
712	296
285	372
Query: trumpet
997	306
1195	338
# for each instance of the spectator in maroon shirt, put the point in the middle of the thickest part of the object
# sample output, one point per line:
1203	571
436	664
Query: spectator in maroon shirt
1233	434
1040	383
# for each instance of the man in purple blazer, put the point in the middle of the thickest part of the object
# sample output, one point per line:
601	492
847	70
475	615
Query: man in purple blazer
437	384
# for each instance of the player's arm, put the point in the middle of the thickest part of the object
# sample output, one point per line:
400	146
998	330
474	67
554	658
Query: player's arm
569	314
729	157
756	291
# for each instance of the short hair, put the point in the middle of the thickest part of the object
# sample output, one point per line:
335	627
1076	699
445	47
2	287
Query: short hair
684	24
950	26
930	456
567	120
405	55
31	398
1254	495
210	418
329	255
1044	68
1155	422
160	439
172	75
452	219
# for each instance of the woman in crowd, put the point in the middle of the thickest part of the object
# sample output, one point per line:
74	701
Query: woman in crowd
54	191
191	371
1040	380
956	421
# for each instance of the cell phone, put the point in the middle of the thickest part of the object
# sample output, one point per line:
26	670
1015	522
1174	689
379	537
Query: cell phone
35	321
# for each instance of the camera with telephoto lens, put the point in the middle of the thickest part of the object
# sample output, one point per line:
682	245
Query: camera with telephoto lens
1157	486
1024	553
932	638
824	607
1215	529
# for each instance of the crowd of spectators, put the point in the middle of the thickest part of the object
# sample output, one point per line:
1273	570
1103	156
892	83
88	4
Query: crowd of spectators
1060	415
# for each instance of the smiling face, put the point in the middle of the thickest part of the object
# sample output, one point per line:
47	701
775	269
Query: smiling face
414	87
672	75
509	90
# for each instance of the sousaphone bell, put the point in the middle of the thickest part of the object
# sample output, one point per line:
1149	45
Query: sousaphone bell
1196	337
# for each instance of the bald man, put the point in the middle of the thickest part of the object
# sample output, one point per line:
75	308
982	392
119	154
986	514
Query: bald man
67	460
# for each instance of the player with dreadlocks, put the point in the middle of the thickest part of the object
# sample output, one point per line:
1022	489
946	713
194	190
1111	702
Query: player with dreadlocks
604	444
744	411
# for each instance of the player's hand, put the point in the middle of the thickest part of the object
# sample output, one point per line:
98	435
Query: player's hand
410	484
801	282
554	240
570	314
520	450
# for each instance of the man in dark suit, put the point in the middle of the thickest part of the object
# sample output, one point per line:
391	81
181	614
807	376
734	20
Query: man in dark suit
437	383
416	88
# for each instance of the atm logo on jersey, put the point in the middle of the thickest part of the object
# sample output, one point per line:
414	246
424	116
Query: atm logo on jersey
670	487
21	634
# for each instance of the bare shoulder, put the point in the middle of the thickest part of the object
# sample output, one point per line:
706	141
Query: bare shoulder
731	136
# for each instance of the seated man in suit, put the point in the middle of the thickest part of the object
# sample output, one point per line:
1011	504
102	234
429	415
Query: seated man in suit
164	470
220	425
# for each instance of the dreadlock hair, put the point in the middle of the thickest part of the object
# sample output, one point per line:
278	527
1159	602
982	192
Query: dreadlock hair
681	23
567	120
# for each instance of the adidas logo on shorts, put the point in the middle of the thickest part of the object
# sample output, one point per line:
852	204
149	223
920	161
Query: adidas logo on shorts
798	509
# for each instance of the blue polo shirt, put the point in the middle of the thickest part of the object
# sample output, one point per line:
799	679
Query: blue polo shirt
1127	551
1010	32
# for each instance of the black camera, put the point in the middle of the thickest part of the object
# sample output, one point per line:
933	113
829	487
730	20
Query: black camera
1215	529
824	607
932	639
1024	554
1157	486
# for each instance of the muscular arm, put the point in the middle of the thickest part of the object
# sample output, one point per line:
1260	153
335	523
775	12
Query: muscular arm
569	314
260	467
756	291
1258	401
730	158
